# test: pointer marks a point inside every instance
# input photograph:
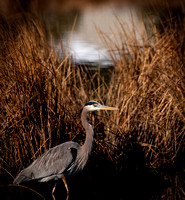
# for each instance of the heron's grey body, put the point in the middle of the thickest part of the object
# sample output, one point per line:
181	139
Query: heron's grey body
64	159
52	165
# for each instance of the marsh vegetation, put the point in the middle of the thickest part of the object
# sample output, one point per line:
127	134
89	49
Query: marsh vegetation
138	151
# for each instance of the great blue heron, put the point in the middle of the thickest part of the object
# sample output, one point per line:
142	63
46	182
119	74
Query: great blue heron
65	159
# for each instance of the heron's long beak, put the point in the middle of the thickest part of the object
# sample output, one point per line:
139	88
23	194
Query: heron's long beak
107	108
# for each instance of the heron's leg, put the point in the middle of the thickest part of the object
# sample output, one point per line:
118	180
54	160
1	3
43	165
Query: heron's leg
65	183
54	191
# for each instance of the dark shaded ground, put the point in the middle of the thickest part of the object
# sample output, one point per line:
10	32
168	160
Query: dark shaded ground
99	180
88	186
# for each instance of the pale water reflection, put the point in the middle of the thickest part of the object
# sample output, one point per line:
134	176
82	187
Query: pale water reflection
86	46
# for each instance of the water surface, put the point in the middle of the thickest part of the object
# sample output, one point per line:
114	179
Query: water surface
86	46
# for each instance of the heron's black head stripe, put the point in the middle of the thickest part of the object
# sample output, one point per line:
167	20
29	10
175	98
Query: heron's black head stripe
91	103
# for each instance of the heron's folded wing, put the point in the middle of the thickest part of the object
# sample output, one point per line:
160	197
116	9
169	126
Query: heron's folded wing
52	163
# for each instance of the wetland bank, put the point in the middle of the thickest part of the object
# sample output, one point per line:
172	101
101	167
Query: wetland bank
138	151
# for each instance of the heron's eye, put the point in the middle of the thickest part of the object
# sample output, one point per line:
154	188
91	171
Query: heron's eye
94	105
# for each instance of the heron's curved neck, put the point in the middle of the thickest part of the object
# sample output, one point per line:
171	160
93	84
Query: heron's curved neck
87	146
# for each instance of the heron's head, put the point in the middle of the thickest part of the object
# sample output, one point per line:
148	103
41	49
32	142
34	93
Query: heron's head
95	106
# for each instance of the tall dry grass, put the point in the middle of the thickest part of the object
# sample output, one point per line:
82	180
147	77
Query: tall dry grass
41	96
148	85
